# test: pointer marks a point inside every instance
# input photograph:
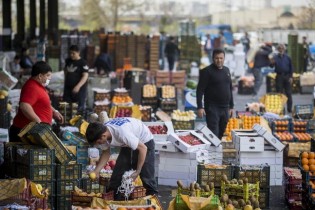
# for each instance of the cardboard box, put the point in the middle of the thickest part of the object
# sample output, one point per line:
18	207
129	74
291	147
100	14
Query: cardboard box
166	146
207	133
269	137
248	142
161	137
185	147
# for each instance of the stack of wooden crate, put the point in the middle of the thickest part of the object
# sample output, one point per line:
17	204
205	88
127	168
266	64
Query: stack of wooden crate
178	78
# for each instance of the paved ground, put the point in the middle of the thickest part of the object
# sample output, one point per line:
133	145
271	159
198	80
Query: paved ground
277	200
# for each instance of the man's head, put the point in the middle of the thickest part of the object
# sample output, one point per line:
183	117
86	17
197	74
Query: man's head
41	71
95	133
218	56
281	49
74	52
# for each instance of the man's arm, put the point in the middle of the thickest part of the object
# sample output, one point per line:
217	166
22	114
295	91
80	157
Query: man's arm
82	81
102	162
141	158
202	84
29	112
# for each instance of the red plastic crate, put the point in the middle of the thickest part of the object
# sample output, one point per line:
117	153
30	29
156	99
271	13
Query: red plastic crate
138	192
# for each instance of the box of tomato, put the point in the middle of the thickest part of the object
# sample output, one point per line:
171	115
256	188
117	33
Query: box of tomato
189	141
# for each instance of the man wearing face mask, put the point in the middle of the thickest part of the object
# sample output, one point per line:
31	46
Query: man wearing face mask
34	105
137	151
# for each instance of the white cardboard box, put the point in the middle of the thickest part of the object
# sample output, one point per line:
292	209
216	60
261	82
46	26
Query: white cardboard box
249	143
166	146
187	148
208	134
163	137
178	161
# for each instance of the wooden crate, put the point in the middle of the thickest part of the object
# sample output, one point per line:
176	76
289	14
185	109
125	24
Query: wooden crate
163	77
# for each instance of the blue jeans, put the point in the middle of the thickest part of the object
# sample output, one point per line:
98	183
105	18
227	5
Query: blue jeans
258	79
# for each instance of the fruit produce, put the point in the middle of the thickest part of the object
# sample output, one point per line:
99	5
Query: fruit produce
37	191
232	124
299	126
112	163
191	140
273	103
149	91
92	175
158	129
124	112
168	91
183	115
146	113
249	121
302	136
121	99
284	136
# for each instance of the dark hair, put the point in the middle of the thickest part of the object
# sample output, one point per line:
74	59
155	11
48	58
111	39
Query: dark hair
17	57
74	48
94	131
217	51
40	67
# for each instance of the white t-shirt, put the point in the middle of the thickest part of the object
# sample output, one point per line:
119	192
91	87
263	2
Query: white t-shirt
127	132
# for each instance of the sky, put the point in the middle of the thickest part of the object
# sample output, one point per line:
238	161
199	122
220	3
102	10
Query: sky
274	2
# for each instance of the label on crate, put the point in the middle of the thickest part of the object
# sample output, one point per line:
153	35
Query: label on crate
42	157
95	186
69	188
42	172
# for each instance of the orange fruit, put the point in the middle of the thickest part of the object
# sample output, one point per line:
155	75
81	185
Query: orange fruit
304	155
311	155
306	167
312	167
311	161
304	161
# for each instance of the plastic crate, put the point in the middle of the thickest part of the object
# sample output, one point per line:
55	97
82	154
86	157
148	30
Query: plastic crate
254	174
244	191
206	174
32	155
48	185
292	196
295	205
310	125
138	192
65	187
92	186
146	114
180	204
74	139
292	176
36	172
168	104
281	125
101	96
264	198
98	108
104	181
299	126
290	162
304	111
3	105
183	125
42	133
63	202
69	172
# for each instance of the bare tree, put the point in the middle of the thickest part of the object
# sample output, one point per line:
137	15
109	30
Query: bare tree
307	19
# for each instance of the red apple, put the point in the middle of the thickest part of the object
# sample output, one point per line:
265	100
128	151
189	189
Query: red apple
112	163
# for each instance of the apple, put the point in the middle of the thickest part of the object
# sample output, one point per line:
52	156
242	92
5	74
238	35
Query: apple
112	163
107	167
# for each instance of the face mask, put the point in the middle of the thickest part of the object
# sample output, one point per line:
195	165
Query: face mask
47	82
102	146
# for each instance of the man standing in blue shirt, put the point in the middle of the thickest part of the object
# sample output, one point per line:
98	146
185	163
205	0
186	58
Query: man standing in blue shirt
284	70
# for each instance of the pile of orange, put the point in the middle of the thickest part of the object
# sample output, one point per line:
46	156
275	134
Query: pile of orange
232	124
308	162
249	121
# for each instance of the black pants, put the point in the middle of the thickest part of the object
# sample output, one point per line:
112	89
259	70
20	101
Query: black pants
13	134
283	85
217	119
171	62
127	160
79	98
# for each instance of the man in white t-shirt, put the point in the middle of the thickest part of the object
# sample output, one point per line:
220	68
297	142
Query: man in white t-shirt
137	150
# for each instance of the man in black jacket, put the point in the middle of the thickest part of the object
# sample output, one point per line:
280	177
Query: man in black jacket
215	85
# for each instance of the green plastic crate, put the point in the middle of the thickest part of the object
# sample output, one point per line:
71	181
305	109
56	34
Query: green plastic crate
36	172
69	172
33	155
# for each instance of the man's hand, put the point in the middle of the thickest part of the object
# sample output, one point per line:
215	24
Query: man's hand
231	113
76	89
58	116
134	175
201	112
